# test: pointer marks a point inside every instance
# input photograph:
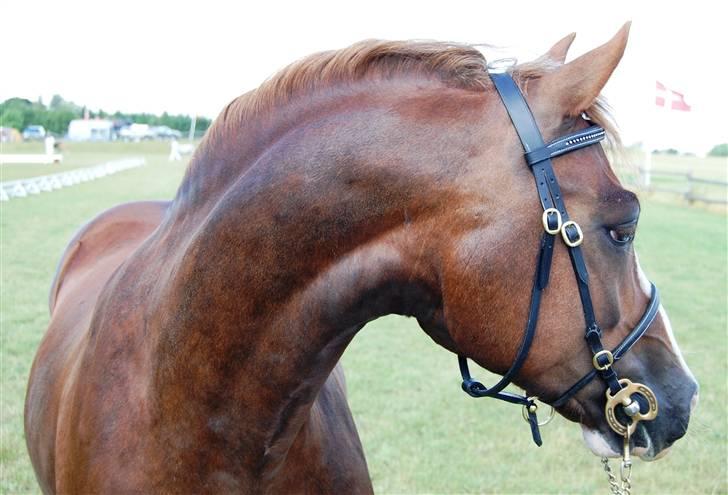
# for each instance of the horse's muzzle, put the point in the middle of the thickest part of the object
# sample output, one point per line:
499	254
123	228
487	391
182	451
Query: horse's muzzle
651	439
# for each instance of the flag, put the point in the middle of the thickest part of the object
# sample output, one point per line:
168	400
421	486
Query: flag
669	98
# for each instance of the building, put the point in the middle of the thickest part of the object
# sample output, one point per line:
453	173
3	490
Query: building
90	130
9	135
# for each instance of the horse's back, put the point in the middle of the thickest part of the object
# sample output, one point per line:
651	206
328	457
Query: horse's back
88	262
109	237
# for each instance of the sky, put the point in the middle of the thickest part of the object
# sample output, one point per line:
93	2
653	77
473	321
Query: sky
194	57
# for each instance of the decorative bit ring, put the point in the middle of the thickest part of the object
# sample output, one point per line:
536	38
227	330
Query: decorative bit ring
525	411
628	389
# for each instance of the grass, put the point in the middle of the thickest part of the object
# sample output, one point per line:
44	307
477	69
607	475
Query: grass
420	432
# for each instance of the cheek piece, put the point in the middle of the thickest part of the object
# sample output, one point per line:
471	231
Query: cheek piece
556	222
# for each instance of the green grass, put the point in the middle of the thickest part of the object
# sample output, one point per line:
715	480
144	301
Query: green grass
420	432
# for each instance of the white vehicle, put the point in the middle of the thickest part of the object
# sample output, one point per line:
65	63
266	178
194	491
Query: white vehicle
136	132
34	132
165	132
90	130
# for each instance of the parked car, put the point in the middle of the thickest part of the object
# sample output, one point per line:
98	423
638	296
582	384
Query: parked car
165	132
136	132
34	132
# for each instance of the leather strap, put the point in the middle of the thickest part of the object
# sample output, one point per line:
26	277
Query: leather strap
475	388
639	330
549	190
538	158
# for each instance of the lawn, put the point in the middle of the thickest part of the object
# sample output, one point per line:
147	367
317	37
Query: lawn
421	433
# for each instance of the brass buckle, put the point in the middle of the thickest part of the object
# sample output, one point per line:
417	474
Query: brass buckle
568	241
545	220
533	408
610	359
623	397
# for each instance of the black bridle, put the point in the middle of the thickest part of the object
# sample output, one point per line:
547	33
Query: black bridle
556	220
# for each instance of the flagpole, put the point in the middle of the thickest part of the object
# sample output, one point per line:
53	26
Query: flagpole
649	144
647	166
670	100
193	124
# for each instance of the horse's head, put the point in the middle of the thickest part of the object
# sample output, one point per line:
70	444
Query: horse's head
488	270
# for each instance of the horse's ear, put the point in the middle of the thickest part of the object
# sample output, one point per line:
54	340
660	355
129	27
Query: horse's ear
557	53
577	84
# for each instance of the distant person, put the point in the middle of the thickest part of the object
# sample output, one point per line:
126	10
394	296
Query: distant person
174	154
50	144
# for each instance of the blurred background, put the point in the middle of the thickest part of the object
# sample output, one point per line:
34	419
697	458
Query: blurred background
103	102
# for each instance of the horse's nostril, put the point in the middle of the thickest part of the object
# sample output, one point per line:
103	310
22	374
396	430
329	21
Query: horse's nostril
694	401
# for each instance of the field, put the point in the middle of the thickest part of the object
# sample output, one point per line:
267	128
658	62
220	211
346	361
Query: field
420	432
708	177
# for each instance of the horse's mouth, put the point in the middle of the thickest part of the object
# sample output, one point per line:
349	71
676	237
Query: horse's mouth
610	445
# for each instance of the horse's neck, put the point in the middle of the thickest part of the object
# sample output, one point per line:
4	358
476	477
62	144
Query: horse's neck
256	335
289	264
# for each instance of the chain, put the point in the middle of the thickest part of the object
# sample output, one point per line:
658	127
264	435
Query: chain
625	472
613	485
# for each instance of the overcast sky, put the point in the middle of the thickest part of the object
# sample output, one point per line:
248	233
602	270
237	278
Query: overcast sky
194	57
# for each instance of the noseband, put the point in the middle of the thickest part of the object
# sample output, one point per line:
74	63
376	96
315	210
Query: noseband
556	221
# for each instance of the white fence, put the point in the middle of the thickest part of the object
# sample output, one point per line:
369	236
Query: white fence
39	158
46	183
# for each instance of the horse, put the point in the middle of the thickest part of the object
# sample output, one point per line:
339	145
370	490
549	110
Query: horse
194	344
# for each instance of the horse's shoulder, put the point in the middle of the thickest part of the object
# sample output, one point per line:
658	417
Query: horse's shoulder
127	225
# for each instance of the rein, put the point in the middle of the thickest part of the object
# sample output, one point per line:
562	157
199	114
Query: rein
556	220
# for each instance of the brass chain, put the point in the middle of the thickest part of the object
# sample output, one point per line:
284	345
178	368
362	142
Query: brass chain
624	487
613	485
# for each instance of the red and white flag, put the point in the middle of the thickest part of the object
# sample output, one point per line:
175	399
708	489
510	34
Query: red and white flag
669	98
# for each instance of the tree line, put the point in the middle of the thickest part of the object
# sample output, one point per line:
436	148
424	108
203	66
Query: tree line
55	117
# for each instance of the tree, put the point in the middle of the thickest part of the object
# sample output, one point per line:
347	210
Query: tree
56	102
20	113
57	121
11	117
719	150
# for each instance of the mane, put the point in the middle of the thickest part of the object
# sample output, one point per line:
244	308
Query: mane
456	65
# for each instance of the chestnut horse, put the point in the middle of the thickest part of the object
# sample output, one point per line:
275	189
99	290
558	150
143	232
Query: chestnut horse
194	344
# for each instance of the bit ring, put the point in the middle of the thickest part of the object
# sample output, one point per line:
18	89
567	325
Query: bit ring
525	411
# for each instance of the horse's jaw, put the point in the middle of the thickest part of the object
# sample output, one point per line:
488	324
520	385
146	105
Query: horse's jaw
600	445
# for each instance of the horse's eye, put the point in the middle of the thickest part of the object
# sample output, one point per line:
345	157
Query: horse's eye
623	234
